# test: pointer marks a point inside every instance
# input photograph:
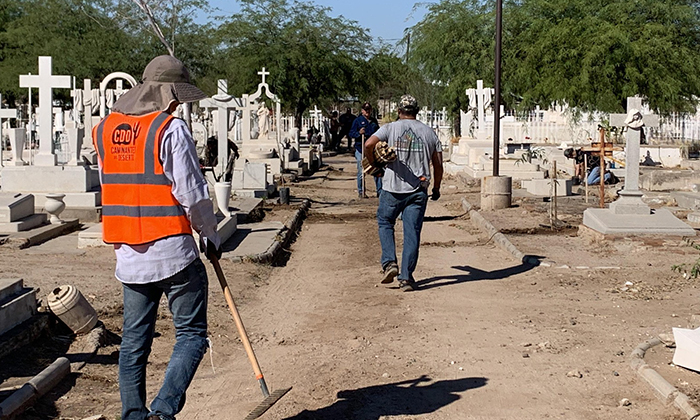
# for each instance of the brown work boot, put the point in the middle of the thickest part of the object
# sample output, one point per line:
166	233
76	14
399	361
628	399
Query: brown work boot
390	272
407	285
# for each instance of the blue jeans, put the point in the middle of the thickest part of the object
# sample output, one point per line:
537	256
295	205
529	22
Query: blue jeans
413	207
594	176
377	180
187	299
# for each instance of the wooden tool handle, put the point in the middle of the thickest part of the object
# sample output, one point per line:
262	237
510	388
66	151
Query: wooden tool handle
236	317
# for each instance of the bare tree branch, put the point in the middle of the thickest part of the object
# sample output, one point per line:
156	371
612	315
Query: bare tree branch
143	5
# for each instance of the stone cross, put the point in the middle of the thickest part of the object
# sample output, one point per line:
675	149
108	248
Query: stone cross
630	201
316	117
223	103
483	100
263	73
46	82
8	113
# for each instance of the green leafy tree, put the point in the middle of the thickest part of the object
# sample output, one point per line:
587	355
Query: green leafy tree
594	54
312	56
82	39
588	54
452	47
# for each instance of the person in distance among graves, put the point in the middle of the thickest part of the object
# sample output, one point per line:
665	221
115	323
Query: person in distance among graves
593	175
346	121
405	188
153	196
362	128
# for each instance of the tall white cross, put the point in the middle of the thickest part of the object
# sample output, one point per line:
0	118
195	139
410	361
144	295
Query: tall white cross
483	101
630	201
263	73
223	109
316	115
46	82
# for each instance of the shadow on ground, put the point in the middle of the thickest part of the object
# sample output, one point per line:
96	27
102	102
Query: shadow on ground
473	274
394	399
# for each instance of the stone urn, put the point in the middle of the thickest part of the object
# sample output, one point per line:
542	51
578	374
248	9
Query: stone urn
222	190
54	206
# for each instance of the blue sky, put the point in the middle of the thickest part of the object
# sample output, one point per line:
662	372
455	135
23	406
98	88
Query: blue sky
384	18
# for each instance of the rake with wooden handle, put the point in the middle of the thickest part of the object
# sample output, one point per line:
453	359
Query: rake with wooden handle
270	398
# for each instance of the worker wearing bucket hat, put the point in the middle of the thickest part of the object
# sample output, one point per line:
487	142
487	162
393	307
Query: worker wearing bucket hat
153	196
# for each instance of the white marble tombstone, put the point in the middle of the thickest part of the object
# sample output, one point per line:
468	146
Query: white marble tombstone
46	82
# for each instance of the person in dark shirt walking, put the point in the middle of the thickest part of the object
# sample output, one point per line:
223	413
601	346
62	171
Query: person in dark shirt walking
362	128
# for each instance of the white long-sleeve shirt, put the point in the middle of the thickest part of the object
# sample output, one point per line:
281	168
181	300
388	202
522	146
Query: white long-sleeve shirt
165	257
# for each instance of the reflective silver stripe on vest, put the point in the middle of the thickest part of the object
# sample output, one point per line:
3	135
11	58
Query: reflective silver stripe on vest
149	177
142	211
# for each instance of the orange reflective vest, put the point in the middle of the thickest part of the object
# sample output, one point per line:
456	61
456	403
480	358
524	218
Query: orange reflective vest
138	205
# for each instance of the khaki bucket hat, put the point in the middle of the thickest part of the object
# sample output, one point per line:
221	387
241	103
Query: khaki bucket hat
165	79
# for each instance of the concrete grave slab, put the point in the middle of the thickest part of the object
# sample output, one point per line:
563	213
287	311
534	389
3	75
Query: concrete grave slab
50	179
688	200
91	237
24	224
660	222
246	208
252	239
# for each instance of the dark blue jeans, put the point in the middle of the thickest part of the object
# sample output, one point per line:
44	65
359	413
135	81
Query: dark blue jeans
594	176
187	299
413	207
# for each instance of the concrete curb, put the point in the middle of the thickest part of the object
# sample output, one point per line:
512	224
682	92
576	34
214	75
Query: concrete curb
497	237
282	240
662	388
21	240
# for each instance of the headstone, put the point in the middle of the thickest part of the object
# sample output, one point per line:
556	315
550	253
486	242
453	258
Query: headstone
687	353
629	214
543	187
17	138
255	176
87	148
17	303
15	207
5	113
46	82
17	213
75	143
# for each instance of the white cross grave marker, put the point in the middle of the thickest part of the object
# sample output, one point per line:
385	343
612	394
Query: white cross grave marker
482	97
264	73
630	201
46	82
316	117
223	103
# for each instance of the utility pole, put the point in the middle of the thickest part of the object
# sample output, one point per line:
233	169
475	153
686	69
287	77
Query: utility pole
497	88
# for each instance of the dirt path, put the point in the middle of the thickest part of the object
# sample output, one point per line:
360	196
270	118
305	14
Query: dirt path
484	338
